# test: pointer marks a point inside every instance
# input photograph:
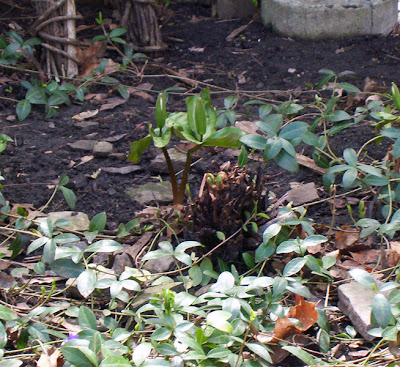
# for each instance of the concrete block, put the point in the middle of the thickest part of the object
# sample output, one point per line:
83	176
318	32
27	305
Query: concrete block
321	19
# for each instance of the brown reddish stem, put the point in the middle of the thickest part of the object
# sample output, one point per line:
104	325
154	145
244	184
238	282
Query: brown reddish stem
178	191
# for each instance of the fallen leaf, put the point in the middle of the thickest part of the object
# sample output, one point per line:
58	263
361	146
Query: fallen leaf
237	31
303	311
196	49
309	163
121	170
346	237
6	281
145	86
50	358
85	159
249	127
394	346
112	103
83	27
4	80
95	96
115	138
303	194
89	59
135	249
242	78
371	85
85	115
141	94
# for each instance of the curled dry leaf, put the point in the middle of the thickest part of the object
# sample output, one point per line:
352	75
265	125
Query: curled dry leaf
249	127
347	237
111	103
89	58
304	311
85	115
51	358
394	346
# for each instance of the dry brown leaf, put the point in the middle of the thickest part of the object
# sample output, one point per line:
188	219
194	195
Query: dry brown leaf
241	78
85	115
249	127
304	311
6	281
347	237
114	138
145	86
309	163
367	257
4	80
71	328
303	194
95	96
144	95
85	159
196	49
394	346
51	359
89	59
112	103
371	85
83	27
134	250
236	32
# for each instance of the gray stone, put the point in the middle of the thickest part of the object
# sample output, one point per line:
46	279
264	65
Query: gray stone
117	156
83	145
160	265
321	19
355	301
85	125
78	221
150	192
227	9
158	164
102	149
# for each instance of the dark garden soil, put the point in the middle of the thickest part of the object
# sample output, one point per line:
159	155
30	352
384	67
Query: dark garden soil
256	63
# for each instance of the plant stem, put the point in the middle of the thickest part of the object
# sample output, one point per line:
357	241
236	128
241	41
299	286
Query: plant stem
172	175
182	187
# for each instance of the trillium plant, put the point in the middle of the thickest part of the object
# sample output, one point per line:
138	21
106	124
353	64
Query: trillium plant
198	125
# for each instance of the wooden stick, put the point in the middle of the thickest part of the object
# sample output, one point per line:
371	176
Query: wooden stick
59	39
47	13
57	50
56	19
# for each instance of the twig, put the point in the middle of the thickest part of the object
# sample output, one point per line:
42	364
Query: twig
61	52
47	13
67	41
56	19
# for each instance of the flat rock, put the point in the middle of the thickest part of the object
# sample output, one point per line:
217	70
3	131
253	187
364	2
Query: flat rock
303	194
355	301
151	192
83	145
102	149
158	164
78	221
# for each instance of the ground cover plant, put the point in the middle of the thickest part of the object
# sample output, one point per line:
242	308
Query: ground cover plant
134	286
